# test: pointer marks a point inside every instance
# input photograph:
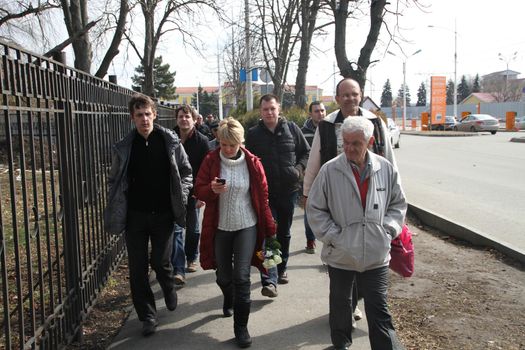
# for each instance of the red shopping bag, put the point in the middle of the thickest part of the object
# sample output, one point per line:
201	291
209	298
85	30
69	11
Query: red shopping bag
402	253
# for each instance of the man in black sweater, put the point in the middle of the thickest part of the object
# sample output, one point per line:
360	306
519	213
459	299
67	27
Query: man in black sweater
148	186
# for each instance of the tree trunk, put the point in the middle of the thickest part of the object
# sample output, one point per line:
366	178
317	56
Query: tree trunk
76	19
149	52
377	8
115	43
308	15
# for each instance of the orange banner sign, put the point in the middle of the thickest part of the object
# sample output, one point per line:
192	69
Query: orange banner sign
438	99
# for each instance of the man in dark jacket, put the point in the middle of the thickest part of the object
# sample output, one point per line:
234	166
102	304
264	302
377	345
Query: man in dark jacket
148	187
317	113
284	152
196	146
202	127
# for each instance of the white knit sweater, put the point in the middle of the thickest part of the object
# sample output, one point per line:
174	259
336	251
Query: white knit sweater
235	205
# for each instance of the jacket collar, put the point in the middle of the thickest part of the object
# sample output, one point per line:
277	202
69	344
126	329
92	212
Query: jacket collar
170	137
332	116
342	164
309	124
280	121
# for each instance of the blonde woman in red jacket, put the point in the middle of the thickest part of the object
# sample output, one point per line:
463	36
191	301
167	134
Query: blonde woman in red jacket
236	221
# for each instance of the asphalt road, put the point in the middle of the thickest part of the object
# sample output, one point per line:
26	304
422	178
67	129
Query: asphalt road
477	182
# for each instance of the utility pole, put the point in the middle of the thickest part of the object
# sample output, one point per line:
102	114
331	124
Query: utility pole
335	92
198	88
507	60
455	70
405	59
219	81
249	91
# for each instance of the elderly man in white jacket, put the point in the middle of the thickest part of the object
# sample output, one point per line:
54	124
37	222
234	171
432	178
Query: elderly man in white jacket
356	207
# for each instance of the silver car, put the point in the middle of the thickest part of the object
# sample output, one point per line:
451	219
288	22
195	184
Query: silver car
395	134
519	123
478	122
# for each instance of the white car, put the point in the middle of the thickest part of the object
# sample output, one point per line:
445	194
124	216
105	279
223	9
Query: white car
395	134
519	123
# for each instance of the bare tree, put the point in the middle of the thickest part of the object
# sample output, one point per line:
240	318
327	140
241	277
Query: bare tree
308	12
356	70
23	21
30	20
234	58
15	10
76	19
377	13
180	16
119	24
278	32
504	90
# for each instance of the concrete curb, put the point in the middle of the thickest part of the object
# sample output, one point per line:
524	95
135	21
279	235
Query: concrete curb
439	133
465	233
518	139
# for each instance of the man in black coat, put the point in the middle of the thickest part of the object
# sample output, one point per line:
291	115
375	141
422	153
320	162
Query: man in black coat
284	153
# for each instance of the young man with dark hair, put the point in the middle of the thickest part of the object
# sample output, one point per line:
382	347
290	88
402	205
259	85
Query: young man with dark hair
196	146
148	187
317	113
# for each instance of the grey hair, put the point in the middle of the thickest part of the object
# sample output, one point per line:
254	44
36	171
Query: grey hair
355	124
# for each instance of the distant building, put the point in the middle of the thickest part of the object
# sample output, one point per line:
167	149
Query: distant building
478	97
370	105
186	93
327	99
501	86
501	75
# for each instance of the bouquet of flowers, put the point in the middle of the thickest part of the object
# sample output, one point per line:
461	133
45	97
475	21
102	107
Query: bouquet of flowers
271	254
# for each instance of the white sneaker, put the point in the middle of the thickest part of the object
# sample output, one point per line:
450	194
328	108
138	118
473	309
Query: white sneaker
357	314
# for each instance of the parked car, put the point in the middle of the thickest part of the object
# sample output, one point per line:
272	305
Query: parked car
478	122
395	134
519	123
450	123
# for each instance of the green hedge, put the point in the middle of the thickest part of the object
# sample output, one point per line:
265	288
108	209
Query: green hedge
294	114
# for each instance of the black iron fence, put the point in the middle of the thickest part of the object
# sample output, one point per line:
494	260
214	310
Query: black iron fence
57	126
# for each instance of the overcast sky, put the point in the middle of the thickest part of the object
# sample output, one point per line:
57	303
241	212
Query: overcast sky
484	29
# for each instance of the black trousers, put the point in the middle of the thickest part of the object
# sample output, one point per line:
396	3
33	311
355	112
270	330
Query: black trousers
141	228
233	253
373	286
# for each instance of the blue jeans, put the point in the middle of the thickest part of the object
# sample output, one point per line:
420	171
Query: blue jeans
186	247
193	232
236	247
373	286
178	260
282	207
307	230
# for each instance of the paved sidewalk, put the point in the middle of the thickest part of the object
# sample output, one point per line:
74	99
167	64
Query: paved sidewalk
296	319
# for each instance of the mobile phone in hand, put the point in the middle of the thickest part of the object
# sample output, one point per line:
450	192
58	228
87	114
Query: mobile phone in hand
221	181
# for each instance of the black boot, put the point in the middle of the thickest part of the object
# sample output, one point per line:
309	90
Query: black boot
227	305
240	321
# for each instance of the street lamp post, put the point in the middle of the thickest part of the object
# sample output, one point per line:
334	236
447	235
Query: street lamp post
404	84
507	60
455	65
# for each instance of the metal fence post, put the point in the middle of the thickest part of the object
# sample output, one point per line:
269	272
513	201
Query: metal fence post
66	149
